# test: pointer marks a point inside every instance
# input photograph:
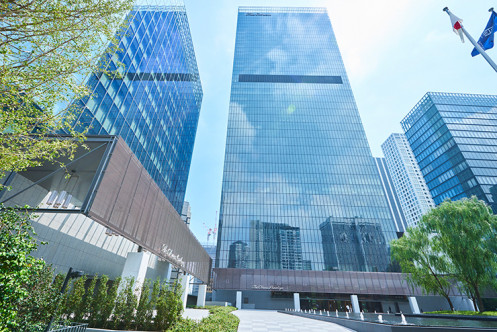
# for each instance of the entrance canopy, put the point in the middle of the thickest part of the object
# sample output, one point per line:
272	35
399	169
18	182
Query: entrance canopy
106	182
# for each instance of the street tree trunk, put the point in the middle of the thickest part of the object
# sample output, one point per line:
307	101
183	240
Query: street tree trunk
478	298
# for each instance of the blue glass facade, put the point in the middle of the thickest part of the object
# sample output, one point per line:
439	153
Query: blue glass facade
454	139
300	187
154	104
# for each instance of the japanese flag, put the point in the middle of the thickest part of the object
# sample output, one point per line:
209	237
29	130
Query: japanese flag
456	25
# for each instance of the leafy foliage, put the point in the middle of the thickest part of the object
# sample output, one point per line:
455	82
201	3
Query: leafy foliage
464	231
74	306
47	49
124	310
35	311
103	304
169	306
219	320
144	309
463	312
455	241
17	266
97	303
422	265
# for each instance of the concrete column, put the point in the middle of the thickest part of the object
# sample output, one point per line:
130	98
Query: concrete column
355	303
184	280
239	300
202	290
167	271
413	303
296	301
136	267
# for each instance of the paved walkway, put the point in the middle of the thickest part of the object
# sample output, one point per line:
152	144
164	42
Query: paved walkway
195	314
272	321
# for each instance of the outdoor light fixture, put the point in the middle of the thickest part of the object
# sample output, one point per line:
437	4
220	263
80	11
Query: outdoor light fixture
60	199
110	232
52	197
67	201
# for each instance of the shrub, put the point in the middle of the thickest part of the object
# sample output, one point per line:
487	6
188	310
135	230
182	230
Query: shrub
35	311
144	310
126	301
219	320
169	306
73	304
16	264
110	302
97	304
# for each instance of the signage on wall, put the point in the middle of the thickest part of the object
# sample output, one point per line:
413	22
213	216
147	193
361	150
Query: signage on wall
176	259
273	287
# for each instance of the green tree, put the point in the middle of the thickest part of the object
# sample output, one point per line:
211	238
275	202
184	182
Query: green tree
98	302
47	49
423	266
110	301
16	264
36	309
169	306
144	306
464	231
126	301
87	306
74	300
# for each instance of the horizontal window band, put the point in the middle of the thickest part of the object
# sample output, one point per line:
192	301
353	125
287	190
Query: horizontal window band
173	77
289	79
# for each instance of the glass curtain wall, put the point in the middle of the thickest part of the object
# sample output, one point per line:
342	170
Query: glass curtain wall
154	102
454	139
300	187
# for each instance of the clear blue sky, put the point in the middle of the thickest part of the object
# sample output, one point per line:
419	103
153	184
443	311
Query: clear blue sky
394	51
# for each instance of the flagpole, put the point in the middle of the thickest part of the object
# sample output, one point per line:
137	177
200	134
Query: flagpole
476	45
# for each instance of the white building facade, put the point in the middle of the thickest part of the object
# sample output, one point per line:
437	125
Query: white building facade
408	181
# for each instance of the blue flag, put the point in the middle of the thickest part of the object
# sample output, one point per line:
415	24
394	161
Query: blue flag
486	40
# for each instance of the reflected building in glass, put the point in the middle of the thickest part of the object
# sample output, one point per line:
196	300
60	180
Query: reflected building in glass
454	139
391	195
298	166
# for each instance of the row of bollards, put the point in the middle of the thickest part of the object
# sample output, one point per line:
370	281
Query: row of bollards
313	312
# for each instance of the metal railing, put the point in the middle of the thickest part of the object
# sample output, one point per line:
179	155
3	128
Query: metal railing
74	327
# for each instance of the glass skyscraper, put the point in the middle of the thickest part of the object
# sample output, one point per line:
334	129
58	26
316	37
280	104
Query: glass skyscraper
300	187
454	139
154	102
296	151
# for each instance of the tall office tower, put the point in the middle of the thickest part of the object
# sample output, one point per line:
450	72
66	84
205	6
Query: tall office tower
414	196
154	103
454	139
296	157
131	181
392	198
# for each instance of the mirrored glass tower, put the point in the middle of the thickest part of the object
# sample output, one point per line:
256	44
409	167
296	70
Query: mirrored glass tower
299	182
454	139
154	103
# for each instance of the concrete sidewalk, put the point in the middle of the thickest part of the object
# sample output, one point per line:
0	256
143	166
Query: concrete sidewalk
272	321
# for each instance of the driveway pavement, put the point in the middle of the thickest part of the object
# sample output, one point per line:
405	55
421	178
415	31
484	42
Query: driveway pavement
272	321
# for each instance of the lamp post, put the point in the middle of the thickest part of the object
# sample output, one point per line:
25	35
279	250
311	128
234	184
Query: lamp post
70	275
